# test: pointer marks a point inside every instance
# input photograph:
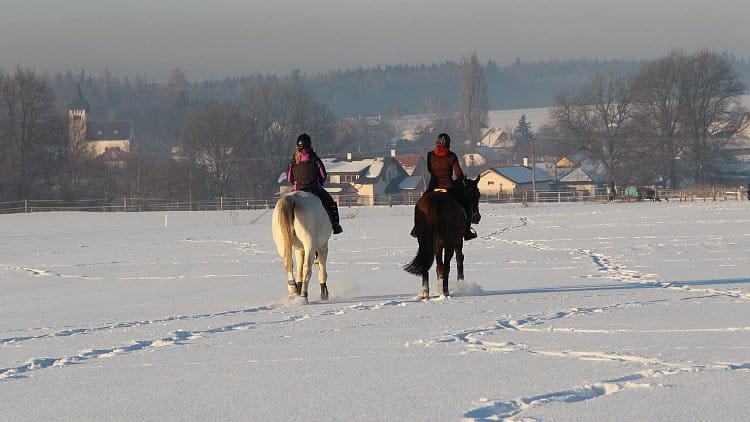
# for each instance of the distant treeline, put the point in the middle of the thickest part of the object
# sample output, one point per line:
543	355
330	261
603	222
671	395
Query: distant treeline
352	92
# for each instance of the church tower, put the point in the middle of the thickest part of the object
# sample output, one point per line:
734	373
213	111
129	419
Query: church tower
77	113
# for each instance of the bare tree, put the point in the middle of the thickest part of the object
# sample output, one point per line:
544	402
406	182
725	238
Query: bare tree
274	114
658	99
473	103
596	120
211	139
28	121
435	106
711	109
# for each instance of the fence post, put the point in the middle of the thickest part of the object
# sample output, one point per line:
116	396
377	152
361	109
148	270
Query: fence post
221	203
559	197
124	203
25	205
525	199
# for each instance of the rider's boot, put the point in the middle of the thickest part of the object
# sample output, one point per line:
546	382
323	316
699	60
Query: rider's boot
470	233
334	213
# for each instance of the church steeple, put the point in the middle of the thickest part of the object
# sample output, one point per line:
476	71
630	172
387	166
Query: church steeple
77	111
79	103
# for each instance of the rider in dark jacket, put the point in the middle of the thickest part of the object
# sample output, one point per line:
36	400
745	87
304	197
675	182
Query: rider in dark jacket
306	172
442	163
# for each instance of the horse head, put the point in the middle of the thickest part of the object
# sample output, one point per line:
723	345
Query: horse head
471	192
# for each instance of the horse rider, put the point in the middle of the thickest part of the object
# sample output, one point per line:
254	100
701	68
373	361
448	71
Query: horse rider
306	172
442	163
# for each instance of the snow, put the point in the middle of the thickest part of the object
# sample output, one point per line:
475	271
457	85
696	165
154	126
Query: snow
521	174
634	311
374	166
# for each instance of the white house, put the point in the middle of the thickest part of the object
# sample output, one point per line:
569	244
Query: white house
512	180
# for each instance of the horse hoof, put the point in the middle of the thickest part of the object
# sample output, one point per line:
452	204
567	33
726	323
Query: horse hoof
323	292
299	288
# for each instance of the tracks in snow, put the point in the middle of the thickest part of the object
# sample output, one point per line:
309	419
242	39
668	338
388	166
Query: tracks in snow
609	268
174	338
473	341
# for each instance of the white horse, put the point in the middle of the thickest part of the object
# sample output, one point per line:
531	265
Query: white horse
301	222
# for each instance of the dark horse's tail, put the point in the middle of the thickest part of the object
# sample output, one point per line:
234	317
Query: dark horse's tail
425	222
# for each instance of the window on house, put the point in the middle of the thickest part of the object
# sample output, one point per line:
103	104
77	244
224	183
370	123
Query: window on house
99	132
115	131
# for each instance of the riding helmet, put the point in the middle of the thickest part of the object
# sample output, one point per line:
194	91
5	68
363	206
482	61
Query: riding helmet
443	139
304	141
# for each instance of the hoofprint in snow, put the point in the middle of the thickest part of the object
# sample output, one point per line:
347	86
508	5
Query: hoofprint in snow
569	312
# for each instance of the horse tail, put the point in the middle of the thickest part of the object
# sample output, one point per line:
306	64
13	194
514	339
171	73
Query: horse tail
286	223
425	221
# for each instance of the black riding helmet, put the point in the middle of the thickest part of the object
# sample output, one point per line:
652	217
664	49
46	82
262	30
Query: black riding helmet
444	140
304	141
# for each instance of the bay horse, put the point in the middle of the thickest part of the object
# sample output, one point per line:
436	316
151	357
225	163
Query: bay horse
440	223
301	223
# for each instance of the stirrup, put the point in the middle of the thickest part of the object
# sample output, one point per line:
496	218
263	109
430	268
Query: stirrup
470	234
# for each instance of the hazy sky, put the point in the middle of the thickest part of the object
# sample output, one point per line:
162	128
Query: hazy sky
221	38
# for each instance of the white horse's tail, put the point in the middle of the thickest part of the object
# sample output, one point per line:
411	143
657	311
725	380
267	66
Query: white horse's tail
286	223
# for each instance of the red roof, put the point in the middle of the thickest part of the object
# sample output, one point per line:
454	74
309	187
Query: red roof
408	160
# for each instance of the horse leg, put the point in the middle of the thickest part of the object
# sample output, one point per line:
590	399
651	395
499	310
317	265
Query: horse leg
447	269
307	263
291	285
322	274
299	255
439	265
460	260
426	285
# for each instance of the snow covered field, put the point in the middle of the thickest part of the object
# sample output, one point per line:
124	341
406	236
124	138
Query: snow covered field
635	311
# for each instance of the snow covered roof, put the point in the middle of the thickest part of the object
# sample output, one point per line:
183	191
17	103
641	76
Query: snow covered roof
373	166
409	135
521	174
496	138
410	183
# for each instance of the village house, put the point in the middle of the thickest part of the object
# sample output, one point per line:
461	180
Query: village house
417	176
585	179
481	158
363	181
96	138
497	139
513	180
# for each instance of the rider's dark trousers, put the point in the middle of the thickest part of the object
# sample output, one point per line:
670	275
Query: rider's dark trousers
328	203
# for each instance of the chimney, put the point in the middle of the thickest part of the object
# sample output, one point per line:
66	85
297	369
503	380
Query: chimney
525	161
393	152
348	156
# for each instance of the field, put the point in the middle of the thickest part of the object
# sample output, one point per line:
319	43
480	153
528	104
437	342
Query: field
634	311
